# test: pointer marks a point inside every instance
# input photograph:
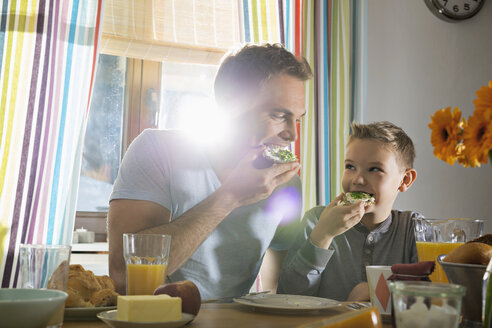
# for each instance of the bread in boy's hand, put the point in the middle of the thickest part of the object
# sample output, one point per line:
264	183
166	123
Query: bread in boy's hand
470	253
355	197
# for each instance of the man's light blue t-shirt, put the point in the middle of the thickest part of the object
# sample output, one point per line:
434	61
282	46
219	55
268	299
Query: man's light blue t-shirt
167	168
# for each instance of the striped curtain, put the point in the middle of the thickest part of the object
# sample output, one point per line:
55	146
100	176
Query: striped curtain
342	58
261	21
48	53
331	35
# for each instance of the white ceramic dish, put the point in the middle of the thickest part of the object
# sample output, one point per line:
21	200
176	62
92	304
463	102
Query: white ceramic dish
84	313
286	303
109	317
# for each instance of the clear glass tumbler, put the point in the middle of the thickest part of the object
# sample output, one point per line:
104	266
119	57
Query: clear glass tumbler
45	266
146	257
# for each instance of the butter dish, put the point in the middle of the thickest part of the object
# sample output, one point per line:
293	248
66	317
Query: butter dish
109	317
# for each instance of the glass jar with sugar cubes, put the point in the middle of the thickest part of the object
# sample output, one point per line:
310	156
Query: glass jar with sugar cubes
426	304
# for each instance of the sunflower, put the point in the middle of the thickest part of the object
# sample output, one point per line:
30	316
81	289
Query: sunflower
446	127
484	99
477	137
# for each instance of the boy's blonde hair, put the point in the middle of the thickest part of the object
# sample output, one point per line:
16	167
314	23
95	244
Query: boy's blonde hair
388	134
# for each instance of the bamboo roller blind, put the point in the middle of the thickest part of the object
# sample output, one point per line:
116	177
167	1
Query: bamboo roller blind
189	31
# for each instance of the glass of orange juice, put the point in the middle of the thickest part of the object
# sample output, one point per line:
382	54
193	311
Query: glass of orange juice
435	237
146	257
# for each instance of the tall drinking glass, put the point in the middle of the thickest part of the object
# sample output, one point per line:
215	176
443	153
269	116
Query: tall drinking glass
146	258
45	266
435	237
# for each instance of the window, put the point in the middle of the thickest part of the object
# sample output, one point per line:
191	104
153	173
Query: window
142	82
102	143
124	103
186	94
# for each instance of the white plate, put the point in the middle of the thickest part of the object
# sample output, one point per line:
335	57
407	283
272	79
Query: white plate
109	317
286	303
84	313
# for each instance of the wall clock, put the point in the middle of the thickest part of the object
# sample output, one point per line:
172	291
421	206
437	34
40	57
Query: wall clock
454	10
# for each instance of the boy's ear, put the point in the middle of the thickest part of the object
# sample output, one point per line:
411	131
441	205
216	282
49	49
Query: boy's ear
408	179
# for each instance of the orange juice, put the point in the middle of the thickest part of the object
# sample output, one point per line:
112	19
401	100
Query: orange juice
429	251
364	318
143	279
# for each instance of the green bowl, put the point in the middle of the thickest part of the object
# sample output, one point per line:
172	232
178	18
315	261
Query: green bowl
30	308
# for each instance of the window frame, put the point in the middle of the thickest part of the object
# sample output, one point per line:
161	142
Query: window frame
142	92
143	81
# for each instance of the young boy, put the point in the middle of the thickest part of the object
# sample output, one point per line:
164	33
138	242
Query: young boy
337	242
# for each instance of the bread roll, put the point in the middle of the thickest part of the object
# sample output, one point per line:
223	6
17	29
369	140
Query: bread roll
58	277
75	300
470	253
486	239
85	289
104	297
106	282
84	282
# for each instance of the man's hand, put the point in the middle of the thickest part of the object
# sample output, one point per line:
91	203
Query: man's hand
335	220
243	185
246	184
360	293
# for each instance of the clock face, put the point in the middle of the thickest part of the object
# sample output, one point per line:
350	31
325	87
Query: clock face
454	10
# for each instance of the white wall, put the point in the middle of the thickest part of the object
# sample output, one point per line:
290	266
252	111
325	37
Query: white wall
418	64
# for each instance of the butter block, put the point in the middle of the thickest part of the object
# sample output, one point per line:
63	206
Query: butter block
149	308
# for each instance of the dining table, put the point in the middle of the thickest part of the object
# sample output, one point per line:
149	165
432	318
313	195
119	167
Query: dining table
226	315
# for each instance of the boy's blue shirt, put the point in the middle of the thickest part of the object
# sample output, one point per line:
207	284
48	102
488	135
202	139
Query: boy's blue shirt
334	272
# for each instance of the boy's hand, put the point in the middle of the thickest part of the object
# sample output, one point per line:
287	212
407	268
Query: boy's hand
335	220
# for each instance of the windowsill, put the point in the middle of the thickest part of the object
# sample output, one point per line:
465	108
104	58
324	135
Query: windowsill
92	221
90	247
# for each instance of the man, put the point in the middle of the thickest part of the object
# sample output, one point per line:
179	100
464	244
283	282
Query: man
219	204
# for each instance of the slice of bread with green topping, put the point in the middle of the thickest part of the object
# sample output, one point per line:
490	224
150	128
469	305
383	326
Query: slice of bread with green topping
354	197
279	155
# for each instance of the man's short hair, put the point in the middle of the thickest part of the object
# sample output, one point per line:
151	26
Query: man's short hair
242	73
390	135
